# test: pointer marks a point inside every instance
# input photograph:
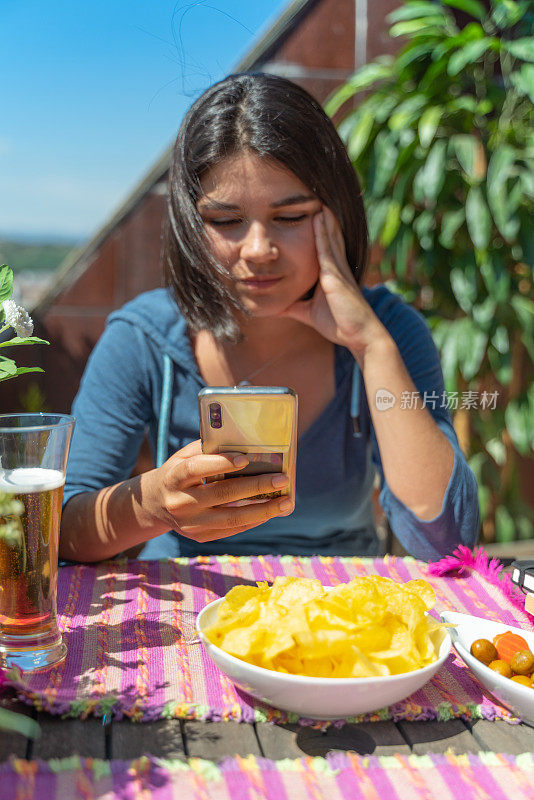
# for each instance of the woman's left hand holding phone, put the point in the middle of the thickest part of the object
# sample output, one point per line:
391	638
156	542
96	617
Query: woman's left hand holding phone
178	496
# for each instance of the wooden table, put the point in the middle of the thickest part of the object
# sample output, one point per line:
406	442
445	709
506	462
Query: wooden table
180	739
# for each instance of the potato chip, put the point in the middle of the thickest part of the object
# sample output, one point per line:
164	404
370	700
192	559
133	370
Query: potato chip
371	626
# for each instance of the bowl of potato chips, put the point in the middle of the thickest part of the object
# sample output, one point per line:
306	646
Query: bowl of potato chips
326	652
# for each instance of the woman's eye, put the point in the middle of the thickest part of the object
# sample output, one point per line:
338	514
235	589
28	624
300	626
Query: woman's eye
223	222
292	219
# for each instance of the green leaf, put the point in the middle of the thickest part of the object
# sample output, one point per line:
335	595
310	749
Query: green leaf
508	13
407	112
449	354
478	218
472	7
391	224
7	366
501	364
524	309
484	499
12	721
470	154
500	339
450	223
518	417
415	51
500	167
504	525
468	54
16	341
521	48
403	248
424	224
415	26
6	283
383	162
428	124
528	341
377	70
496	279
497	450
464	286
376	217
412	11
484	312
19	371
434	171
524	80
472	347
501	161
360	135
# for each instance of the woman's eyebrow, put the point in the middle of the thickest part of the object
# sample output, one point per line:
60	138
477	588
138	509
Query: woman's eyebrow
294	200
205	204
215	205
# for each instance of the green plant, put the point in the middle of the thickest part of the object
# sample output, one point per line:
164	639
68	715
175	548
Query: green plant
443	142
14	316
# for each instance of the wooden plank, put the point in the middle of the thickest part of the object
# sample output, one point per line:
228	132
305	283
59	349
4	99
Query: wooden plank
134	739
438	737
61	738
502	737
292	741
216	740
13	744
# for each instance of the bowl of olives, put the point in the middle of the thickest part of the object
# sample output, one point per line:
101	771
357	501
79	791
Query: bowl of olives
500	656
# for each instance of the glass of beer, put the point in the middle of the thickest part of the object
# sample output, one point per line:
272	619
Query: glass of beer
33	461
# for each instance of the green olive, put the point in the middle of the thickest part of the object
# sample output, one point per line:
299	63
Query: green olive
522	662
484	650
501	667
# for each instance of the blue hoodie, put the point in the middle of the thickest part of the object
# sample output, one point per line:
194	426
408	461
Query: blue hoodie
120	398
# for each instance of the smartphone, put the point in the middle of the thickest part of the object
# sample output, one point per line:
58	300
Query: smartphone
259	421
523	576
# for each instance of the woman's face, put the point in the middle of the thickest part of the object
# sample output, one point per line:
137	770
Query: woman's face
258	217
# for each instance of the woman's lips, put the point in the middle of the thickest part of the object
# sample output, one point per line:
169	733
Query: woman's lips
259	284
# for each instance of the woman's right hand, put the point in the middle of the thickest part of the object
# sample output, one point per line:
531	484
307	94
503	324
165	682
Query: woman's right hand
178	496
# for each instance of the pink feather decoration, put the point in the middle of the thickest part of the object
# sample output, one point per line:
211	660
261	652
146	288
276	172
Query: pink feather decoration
463	560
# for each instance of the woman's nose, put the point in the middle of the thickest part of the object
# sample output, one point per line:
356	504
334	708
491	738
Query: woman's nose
257	244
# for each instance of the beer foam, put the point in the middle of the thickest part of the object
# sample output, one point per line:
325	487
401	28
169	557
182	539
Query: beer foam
30	479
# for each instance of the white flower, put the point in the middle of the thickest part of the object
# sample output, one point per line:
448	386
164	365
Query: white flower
18	318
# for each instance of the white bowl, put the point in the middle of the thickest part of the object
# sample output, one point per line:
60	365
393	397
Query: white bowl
318	698
519	699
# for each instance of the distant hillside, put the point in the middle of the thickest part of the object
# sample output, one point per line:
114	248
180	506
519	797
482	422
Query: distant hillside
33	256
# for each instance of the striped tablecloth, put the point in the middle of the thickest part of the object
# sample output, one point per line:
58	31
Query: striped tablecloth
340	776
133	649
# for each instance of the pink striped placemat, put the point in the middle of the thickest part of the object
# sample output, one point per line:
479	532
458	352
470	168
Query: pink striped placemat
133	649
340	776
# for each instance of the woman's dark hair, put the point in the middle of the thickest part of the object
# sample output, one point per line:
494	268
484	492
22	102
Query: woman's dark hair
274	119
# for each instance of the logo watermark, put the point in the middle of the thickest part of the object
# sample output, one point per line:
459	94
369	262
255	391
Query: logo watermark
452	401
384	399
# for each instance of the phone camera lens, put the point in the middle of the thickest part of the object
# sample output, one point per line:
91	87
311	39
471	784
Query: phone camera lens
215	415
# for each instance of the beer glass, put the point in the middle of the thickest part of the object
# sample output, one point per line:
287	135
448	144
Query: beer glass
33	460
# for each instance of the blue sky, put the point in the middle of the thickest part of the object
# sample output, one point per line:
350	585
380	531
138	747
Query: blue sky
92	93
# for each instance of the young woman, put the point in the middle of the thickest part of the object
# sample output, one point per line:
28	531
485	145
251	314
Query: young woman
265	250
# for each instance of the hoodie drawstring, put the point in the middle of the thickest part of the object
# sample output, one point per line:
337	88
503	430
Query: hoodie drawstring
164	411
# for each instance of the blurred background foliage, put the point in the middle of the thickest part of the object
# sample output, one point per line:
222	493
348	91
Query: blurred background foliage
442	138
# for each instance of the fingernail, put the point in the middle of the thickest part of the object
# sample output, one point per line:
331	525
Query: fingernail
240	461
285	504
280	480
